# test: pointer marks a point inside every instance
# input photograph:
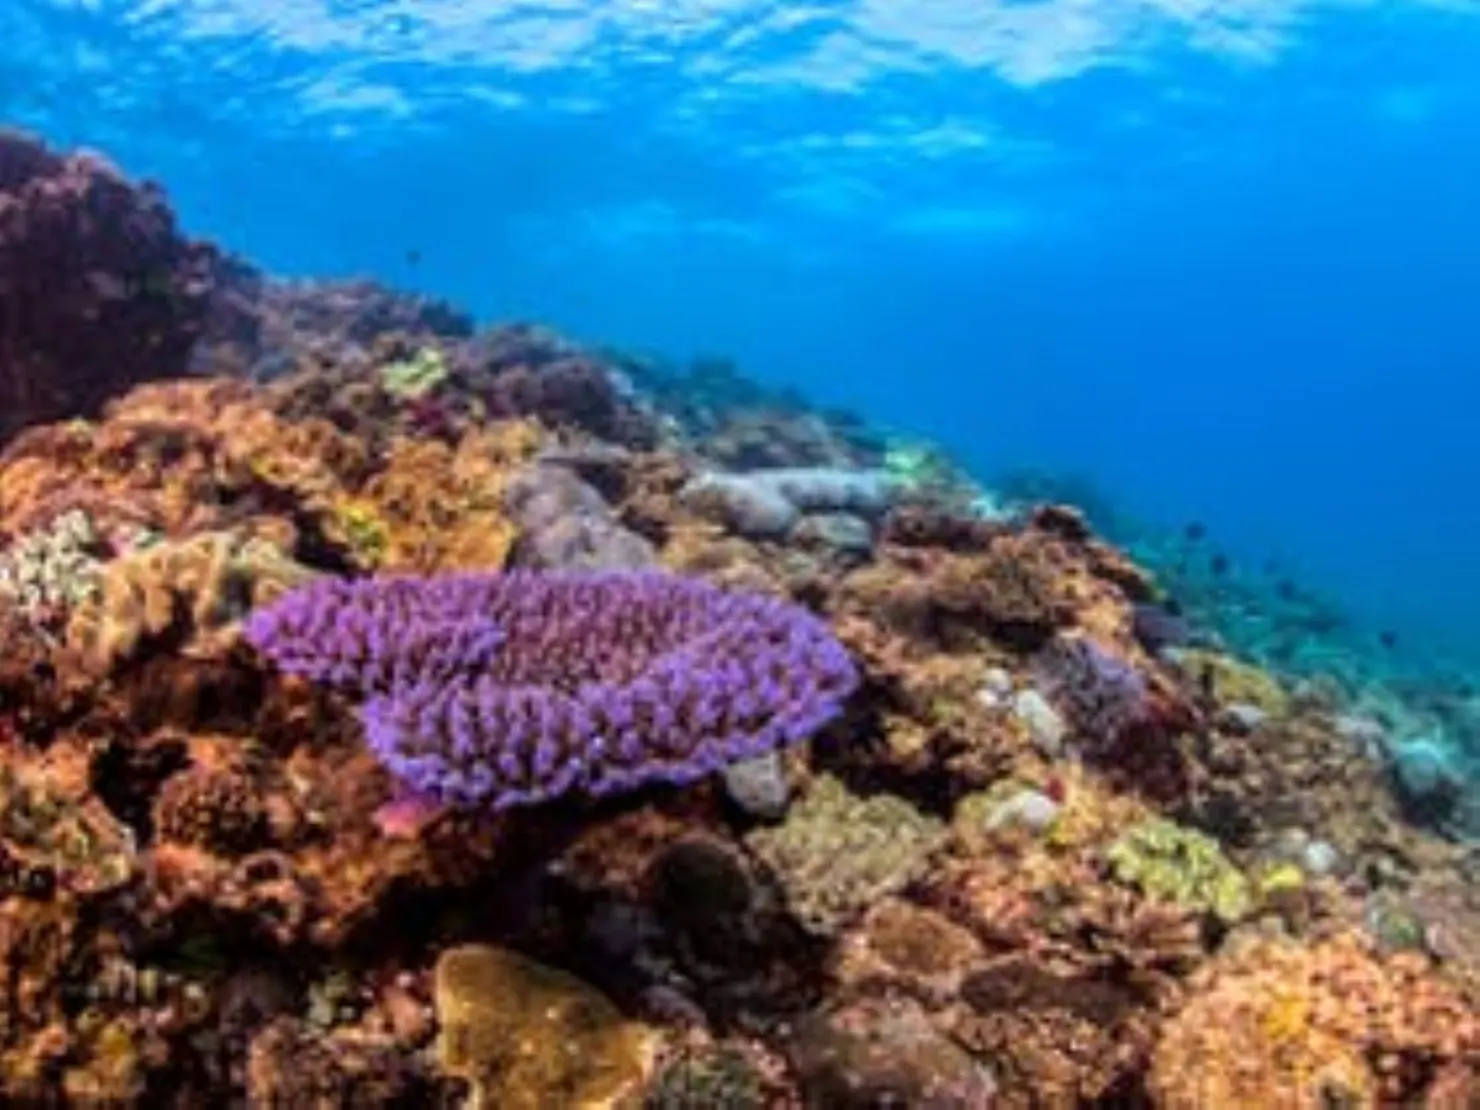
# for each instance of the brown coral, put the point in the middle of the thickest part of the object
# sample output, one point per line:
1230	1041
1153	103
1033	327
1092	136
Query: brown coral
526	1036
98	289
910	948
324	868
836	853
175	457
218	809
291	1065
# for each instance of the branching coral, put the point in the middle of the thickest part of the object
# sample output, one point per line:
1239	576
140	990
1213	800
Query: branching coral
48	572
601	682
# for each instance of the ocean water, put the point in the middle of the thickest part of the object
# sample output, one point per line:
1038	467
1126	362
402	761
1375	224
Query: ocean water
1222	259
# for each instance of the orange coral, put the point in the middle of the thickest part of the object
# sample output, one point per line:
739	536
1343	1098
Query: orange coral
219	809
434	507
1280	1025
176	457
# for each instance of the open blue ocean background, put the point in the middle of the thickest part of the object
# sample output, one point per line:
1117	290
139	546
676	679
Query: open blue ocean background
1221	256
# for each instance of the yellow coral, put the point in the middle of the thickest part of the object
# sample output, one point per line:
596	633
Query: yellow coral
1282	878
1183	866
441	508
187	588
415	377
358	526
1236	682
527	1037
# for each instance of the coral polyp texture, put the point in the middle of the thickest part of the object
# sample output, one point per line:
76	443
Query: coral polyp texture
512	688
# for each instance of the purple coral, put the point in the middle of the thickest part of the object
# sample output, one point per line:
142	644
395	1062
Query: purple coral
601	681
1100	694
377	635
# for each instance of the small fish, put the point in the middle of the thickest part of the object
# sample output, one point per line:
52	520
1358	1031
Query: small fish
1219	564
1195	530
413	257
1285	589
1388	638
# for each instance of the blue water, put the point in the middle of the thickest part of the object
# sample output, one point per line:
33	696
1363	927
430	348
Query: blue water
1224	255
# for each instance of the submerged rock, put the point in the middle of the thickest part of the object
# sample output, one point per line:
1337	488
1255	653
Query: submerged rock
1043	722
844	533
885	1052
528	1037
766	504
759	786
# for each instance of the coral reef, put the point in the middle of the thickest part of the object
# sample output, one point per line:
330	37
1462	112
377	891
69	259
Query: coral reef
404	717
98	289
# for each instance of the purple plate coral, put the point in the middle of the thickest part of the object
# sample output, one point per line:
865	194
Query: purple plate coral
509	689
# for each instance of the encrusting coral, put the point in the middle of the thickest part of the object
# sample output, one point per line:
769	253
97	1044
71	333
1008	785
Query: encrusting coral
432	507
836	854
184	589
525	1036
